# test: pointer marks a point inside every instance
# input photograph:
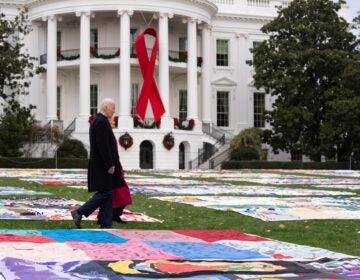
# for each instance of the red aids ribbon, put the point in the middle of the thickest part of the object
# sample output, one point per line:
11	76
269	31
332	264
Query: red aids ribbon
149	90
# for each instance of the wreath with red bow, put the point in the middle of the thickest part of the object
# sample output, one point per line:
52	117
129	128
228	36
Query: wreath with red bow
125	140
169	141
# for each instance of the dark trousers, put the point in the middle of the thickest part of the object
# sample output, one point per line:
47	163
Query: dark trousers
100	200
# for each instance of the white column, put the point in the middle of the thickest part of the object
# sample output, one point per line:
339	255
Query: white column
125	119
205	75
51	71
192	97
166	121
84	87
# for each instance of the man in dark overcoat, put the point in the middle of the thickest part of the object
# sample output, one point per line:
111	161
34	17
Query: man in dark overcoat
104	171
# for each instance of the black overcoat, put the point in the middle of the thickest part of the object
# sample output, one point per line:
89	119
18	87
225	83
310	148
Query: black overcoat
103	155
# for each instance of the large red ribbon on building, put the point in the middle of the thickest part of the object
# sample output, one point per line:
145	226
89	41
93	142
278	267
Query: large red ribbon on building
149	90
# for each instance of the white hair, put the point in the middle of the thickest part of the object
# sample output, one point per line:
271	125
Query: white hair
105	103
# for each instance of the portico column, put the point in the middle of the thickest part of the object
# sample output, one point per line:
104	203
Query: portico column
84	87
166	120
125	119
192	97
51	71
205	75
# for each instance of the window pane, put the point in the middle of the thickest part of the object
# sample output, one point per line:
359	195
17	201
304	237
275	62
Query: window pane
58	40
222	52
94	39
222	108
93	99
134	97
256	44
296	155
182	44
259	109
182	105
58	103
133	34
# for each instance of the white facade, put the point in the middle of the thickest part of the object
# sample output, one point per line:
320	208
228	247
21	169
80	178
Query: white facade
69	86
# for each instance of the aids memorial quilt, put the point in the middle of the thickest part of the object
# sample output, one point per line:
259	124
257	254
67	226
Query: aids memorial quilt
54	209
165	254
277	209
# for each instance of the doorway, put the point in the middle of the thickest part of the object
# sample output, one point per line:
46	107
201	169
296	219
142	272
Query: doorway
146	155
182	156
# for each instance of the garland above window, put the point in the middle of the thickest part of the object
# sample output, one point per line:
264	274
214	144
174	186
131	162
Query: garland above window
145	124
184	125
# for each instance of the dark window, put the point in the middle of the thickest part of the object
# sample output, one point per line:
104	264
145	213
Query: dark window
133	33
58	103
296	155
182	105
222	108
58	40
259	109
182	44
134	98
94	39
93	99
222	52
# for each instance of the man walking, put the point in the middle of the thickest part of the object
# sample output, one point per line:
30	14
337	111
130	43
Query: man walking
103	169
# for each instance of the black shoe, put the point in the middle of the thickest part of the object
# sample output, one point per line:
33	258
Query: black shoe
118	219
105	227
98	220
76	218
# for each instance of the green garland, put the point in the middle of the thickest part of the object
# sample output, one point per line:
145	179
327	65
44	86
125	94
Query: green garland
140	124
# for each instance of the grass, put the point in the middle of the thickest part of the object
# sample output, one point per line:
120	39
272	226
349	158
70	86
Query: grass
336	235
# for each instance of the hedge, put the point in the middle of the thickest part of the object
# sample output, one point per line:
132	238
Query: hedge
286	165
43	163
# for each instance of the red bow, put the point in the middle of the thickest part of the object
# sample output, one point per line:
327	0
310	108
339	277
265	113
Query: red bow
149	90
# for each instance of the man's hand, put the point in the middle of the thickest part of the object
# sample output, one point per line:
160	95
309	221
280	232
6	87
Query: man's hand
111	170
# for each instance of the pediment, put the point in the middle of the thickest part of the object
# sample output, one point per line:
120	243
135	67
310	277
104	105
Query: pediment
224	81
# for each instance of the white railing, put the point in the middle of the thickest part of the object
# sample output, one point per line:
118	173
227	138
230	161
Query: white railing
225	2
259	3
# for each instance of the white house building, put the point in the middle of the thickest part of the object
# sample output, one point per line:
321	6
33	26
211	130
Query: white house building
205	85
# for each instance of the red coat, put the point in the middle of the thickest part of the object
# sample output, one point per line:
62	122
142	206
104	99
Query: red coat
121	197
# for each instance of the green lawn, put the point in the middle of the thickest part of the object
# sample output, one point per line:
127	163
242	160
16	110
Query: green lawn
336	235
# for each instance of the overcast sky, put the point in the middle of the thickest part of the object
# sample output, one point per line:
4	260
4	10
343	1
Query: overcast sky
354	6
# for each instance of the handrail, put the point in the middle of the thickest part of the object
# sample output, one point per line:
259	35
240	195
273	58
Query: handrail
215	161
70	128
204	155
209	129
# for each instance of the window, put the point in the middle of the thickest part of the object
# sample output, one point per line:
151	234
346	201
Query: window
256	44
222	52
182	105
93	99
134	98
58	103
222	108
58	40
296	155
94	39
133	33
259	109
182	44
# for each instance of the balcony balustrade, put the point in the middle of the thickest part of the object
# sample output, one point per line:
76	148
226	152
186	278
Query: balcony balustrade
113	52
